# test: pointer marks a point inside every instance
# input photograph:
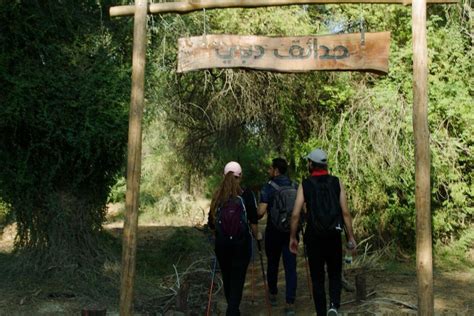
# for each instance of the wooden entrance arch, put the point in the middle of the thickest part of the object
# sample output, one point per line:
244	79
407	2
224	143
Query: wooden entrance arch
424	256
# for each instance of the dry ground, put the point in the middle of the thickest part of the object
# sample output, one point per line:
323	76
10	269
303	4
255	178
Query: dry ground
393	286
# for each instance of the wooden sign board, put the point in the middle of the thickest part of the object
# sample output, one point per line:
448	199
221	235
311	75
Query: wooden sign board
355	51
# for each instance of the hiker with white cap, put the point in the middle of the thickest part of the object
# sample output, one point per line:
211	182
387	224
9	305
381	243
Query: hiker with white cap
233	216
327	216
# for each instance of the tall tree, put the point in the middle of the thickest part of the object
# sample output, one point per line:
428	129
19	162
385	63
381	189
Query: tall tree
64	90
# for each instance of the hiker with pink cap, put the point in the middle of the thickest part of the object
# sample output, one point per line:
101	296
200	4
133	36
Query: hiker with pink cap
233	217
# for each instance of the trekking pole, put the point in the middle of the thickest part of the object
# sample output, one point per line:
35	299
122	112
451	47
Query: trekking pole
267	298
310	286
211	287
252	286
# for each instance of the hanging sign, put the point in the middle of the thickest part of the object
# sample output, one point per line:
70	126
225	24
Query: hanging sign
355	51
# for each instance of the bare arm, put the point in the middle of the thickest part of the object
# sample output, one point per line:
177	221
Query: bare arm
346	214
254	228
295	219
262	209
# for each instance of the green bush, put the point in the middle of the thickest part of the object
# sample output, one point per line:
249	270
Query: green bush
4	211
459	252
64	90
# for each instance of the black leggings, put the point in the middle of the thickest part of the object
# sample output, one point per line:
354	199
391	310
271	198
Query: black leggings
325	250
233	262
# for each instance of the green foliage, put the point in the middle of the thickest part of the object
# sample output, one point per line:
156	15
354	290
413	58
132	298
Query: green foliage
272	21
64	95
64	90
451	119
118	190
182	242
173	203
4	211
363	121
178	248
459	253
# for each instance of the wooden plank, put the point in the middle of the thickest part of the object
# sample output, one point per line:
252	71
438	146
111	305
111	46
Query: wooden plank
424	251
190	6
361	286
286	54
129	247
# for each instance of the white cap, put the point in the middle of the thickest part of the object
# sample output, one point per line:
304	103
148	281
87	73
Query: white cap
234	167
318	156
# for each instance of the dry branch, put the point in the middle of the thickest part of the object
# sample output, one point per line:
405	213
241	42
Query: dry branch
195	293
391	301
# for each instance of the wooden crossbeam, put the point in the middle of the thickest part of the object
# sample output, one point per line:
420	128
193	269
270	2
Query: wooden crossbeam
185	6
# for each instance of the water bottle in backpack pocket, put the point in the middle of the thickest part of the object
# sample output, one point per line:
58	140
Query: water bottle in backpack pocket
231	222
282	207
325	212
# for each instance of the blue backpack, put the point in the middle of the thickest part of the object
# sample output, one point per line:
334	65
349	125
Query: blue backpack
231	222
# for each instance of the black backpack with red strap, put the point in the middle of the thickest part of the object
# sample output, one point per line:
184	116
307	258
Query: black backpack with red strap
324	207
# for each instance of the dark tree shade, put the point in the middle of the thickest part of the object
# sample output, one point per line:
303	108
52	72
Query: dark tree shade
64	92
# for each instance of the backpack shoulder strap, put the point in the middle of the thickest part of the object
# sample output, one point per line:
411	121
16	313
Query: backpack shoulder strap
333	182
242	202
313	181
331	179
274	185
245	211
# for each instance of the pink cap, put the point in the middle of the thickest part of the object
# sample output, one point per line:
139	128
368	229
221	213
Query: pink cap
234	167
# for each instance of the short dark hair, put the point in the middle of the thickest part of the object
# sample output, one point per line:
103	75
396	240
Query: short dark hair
317	166
280	164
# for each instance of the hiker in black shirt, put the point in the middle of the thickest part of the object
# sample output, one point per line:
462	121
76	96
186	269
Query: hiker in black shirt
276	241
233	257
327	215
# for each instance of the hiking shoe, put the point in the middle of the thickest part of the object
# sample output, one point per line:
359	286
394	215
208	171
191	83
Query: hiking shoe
347	286
289	310
332	312
273	299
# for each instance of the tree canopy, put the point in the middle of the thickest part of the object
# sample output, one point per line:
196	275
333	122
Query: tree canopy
64	90
363	120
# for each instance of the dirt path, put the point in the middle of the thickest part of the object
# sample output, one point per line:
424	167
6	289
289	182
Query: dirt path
393	288
453	289
453	293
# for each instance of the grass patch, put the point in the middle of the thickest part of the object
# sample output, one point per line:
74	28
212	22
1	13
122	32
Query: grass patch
181	248
455	256
98	282
459	254
68	288
396	267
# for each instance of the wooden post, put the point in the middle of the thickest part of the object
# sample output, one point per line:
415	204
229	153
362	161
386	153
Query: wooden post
424	255
129	247
361	286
